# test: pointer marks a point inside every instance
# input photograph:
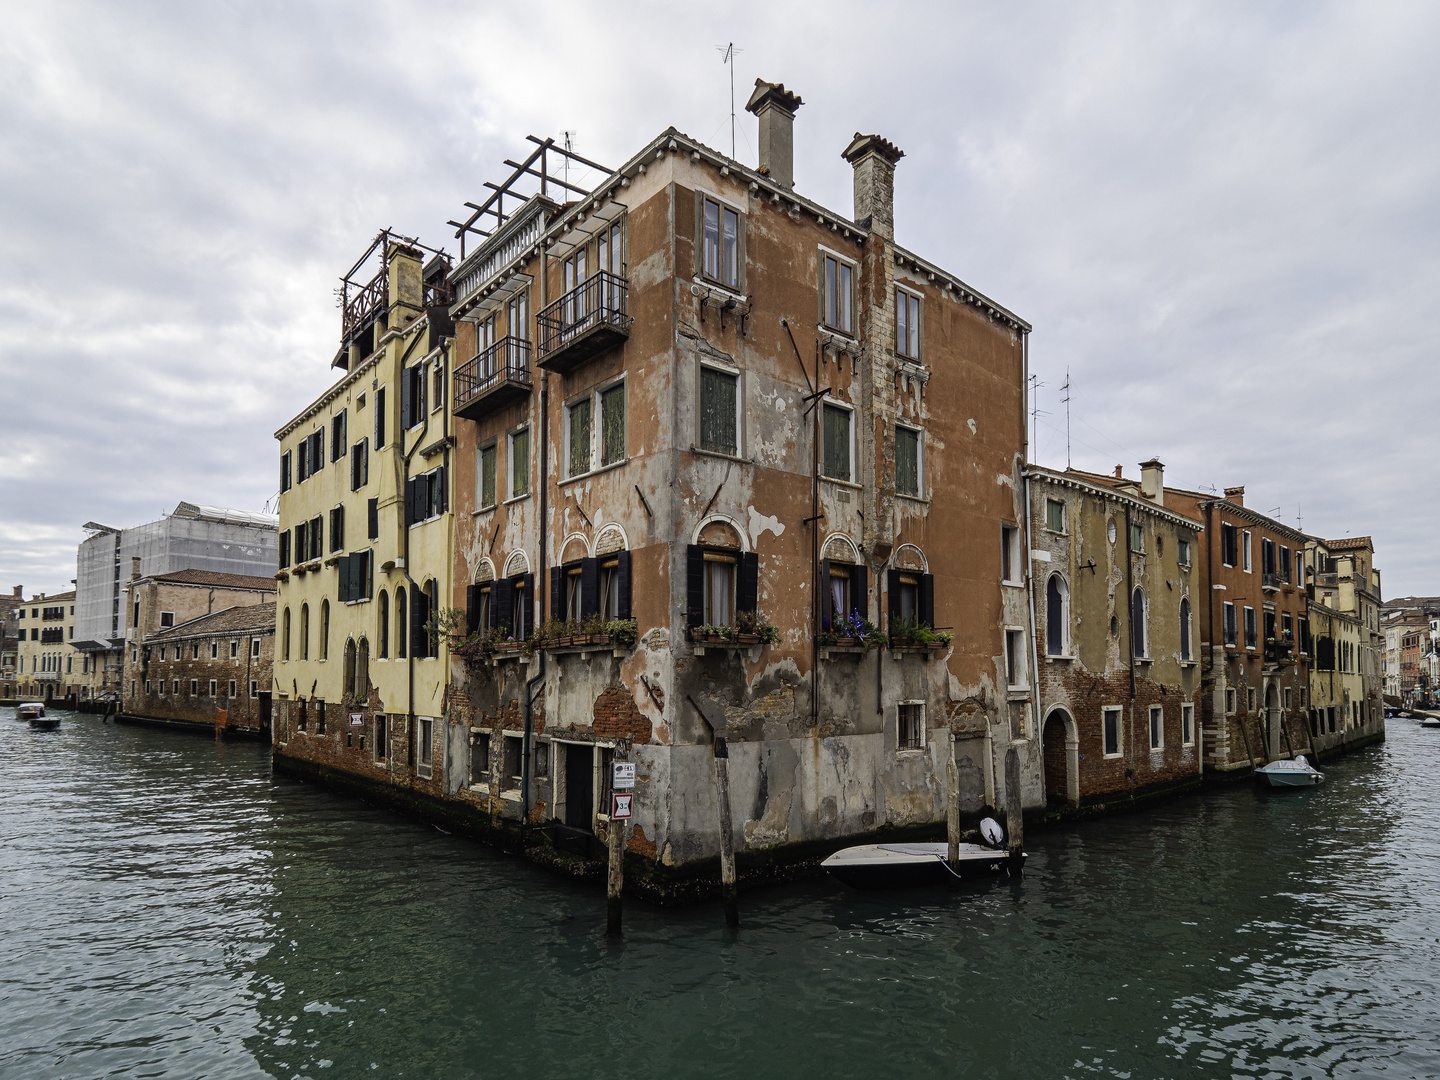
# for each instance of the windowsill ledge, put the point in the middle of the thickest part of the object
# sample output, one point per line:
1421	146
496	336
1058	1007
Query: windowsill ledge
1143	659
924	500
1060	658
483	510
842	483
721	455
1011	584
578	477
828	651
1189	663
515	499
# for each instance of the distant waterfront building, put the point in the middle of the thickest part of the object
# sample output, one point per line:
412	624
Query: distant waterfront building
193	537
9	640
1347	671
46	667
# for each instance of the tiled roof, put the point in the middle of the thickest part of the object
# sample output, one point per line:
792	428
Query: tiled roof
215	580
229	621
1349	543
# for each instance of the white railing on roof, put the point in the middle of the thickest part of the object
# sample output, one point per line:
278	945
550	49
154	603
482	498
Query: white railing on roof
521	233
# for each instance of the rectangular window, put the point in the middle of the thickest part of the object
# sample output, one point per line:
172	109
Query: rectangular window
231	690
338	424
254	688
234	650
520	463
317	537
255	646
612	424
719	394
1229	700
1157	727
380	418
1015	658
1269	564
907	324
719	589
1245	550
511	757
1250	630
1229	546
167	618
837	454
720	247
1187	725
1250	698
479	758
907	461
382	737
285	471
437	382
579	437
837	301
337	528
359	465
1009	553
1137	538
1287	697
214	650
1112	731
1232	635
284	549
1055	515
212	688
424	744
372	519
1183	552
910	726
1284	563
485	477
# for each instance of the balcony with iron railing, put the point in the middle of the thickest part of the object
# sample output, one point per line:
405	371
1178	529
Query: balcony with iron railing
584	322
1274	581
1279	650
493	378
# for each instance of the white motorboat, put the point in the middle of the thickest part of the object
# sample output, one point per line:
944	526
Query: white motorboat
1290	774
1429	720
29	710
892	866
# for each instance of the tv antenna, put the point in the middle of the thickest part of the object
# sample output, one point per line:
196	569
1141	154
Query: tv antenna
729	58
1066	399
569	145
1035	412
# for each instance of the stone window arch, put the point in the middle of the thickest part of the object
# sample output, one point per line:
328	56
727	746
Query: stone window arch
1139	633
1057	615
402	623
382	627
1185	628
304	631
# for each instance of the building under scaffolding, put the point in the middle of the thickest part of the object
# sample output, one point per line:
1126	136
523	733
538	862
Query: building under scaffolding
193	537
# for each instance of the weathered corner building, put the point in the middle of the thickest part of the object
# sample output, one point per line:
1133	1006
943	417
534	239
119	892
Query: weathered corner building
1116	595
1346	643
693	398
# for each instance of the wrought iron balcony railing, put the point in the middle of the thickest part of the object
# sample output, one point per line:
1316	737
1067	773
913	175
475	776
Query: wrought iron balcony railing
584	322
492	378
1274	580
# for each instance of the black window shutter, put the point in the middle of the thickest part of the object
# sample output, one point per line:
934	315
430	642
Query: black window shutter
589	587
892	590
379	418
410	501
372	514
369	574
927	599
502	604
419	613
747	582
694	585
337	539
405	402
622	585
860	590
317	451
285	471
444	503
285	549
557	592
527	613
826	603
343	577
472	608
364	462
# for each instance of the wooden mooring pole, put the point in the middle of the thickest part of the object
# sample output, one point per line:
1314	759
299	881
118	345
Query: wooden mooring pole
729	890
1014	812
952	802
615	886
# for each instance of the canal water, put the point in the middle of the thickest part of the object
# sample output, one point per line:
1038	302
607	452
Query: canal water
170	909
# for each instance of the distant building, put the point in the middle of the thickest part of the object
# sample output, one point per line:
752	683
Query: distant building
45	665
215	664
193	537
9	640
1408	626
1347	671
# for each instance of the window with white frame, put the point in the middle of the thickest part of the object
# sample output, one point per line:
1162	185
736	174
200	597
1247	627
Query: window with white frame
1157	727
1245	550
424	744
838	456
720	246
1139	637
1250	632
909	460
907	324
1057	616
1015	659
910	726
1110	722
234	649
837	292
719	410
1187	725
255	646
1230	626
254	688
1010	561
1182	552
231	691
1055	515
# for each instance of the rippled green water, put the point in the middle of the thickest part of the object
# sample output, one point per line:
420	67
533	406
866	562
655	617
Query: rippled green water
167	909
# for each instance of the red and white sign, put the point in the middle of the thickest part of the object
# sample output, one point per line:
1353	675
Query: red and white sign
620	806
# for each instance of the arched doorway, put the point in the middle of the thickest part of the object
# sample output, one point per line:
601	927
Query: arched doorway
1061	747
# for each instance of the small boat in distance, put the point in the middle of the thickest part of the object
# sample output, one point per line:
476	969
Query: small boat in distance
29	710
1290	774
898	866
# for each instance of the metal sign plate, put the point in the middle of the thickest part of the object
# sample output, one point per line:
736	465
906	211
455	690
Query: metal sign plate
620	806
623	776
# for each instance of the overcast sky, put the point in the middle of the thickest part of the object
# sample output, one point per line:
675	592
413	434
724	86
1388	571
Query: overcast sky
1221	220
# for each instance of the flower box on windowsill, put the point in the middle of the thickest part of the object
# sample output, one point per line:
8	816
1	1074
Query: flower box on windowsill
844	647
934	649
585	645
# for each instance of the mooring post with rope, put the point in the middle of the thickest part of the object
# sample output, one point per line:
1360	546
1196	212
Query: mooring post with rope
1014	812
952	801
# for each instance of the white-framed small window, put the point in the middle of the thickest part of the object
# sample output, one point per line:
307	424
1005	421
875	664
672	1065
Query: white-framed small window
579	436
720	403
212	688
1245	550
214	650
235	649
838	441
425	745
910	725
167	618
175	687
485	475
837	291
1015	659
147	686
909	460
1111	730
254	688
1182	553
254	646
1011	572
1187	724
231	691
909	324
479	758
1157	727
722	241
1055	516
1057	615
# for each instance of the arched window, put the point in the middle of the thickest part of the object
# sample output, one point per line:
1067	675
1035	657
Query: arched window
304	631
362	672
1138	636
383	630
429	620
400	624
324	629
349	676
1057	615
1184	629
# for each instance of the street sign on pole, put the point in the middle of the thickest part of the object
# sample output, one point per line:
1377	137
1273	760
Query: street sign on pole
620	806
623	776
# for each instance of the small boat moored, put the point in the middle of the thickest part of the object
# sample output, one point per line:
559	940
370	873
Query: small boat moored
898	866
1290	774
34	712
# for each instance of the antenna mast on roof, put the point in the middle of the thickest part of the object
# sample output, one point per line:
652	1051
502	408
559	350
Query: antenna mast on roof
569	145
729	58
1035	413
1066	399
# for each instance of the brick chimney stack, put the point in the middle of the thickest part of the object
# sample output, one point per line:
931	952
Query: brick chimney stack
873	159
19	592
1152	480
1235	495
134	567
775	107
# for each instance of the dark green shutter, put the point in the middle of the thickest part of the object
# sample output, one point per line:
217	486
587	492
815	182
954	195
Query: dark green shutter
892	591
747	582
622	585
589	587
694	585
343	578
860	590
827	603
927	599
557	592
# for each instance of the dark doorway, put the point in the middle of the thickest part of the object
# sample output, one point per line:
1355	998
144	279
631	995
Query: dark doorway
265	710
1057	788
579	786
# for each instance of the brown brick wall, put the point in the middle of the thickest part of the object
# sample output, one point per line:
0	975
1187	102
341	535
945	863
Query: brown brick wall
244	710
